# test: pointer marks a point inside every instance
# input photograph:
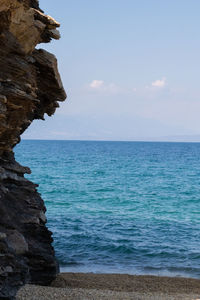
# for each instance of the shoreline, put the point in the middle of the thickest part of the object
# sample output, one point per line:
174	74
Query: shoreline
107	271
82	286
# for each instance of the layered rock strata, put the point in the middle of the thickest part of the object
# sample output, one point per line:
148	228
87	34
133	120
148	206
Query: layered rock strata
30	87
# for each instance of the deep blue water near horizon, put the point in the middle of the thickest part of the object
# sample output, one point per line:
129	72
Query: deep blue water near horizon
120	207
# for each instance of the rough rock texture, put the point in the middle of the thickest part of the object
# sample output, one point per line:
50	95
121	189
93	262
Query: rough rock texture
30	86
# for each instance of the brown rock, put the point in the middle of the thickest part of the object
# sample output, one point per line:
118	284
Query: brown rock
30	87
17	242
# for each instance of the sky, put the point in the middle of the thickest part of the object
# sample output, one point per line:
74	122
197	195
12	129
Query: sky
131	70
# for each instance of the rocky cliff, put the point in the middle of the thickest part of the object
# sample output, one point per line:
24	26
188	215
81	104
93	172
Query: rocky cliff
30	86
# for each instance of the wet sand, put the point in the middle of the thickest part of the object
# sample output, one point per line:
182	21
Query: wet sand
81	286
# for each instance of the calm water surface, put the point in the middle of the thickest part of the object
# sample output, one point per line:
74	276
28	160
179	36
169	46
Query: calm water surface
126	207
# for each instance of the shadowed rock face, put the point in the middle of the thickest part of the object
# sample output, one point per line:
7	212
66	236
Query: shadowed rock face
30	86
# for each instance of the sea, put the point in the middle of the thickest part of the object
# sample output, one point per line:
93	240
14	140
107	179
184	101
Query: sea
120	207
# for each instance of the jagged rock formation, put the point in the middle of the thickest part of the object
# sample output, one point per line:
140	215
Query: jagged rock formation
30	86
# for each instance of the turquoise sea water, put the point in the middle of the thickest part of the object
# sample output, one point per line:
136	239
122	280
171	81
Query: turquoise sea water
125	207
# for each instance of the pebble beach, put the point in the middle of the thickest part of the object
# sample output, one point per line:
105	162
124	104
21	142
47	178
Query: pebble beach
89	286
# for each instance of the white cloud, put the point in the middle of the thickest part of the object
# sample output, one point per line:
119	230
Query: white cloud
96	84
159	83
101	86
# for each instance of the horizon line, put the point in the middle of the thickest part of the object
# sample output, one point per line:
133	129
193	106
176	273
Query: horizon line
129	141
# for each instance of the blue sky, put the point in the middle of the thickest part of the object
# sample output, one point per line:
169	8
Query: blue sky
131	70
